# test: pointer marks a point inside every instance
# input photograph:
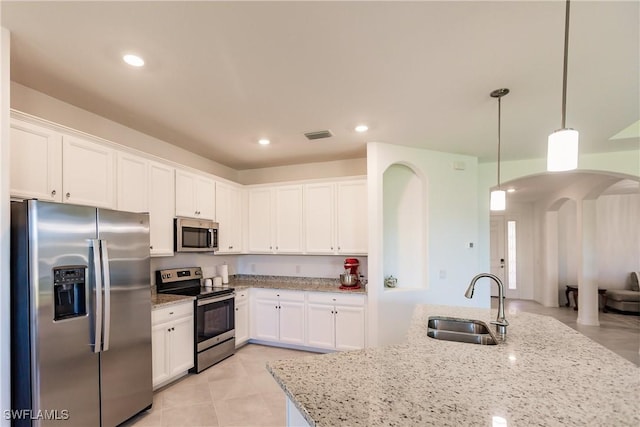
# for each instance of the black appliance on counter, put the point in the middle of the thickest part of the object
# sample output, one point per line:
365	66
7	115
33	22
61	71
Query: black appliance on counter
214	314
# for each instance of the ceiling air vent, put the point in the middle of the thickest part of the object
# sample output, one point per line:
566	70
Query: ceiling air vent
318	135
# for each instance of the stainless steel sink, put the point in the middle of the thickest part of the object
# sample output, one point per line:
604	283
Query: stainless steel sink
460	330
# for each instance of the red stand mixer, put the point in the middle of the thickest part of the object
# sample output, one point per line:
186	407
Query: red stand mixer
350	279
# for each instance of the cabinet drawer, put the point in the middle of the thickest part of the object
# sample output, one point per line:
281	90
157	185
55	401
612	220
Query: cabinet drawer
242	294
284	295
174	311
339	299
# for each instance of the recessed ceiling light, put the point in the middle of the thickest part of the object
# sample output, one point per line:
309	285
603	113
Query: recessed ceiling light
511	190
362	128
264	141
133	60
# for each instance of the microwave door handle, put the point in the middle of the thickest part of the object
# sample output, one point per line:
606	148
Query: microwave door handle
211	238
107	294
97	316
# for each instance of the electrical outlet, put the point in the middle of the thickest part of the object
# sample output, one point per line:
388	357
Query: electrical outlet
297	269
443	274
253	268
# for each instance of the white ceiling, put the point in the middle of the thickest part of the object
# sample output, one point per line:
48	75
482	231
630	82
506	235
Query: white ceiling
221	75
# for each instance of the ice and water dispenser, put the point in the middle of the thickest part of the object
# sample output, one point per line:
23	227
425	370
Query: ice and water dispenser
69	292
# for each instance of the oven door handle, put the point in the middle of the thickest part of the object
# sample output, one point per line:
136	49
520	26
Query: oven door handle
206	301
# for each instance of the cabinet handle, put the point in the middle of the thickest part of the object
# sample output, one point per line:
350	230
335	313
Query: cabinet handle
173	329
169	330
276	248
171	312
331	247
230	247
338	247
68	195
53	193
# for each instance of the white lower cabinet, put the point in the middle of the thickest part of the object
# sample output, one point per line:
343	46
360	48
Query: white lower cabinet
278	316
335	321
172	342
242	316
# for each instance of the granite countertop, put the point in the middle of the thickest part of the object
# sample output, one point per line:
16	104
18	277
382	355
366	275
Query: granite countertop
545	374
292	283
162	300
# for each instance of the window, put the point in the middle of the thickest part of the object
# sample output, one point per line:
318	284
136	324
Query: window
511	254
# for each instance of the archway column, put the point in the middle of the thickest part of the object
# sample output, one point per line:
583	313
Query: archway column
587	263
550	289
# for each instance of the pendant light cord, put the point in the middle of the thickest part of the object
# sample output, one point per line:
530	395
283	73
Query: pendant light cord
564	70
499	115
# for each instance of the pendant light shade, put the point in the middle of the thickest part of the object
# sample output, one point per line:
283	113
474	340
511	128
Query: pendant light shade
498	200
562	150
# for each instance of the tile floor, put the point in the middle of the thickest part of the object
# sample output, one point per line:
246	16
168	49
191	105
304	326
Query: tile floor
240	392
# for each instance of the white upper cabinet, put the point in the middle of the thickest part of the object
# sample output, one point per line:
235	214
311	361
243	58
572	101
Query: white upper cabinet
260	221
288	219
229	218
195	196
351	214
335	217
133	183
275	219
161	208
320	218
88	173
36	162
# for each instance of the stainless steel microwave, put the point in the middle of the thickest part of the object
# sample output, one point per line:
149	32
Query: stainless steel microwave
195	235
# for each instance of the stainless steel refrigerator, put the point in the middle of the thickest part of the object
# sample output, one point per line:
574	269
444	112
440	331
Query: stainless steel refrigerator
81	315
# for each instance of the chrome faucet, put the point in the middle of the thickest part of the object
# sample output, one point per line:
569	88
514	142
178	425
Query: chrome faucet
501	323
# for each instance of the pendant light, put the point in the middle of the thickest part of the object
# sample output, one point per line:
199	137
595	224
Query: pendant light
562	154
499	196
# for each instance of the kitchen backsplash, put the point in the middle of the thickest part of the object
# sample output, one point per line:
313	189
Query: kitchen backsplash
268	265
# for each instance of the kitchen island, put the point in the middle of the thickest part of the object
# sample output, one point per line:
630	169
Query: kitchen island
545	374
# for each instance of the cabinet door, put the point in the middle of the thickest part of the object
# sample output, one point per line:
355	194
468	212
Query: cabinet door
186	194
242	322
229	217
349	327
159	347
260	220
205	198
181	351
133	188
320	326
291	322
288	219
319	218
352	217
264	315
35	162
161	208
87	173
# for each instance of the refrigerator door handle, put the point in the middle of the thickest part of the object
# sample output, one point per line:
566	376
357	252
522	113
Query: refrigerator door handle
107	294
97	270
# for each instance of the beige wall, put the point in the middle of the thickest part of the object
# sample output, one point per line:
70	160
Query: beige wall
38	104
338	168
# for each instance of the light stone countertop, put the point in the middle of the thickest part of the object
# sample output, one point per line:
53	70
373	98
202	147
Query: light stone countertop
291	283
163	300
545	374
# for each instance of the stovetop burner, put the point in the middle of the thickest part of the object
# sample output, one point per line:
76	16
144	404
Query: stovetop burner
187	281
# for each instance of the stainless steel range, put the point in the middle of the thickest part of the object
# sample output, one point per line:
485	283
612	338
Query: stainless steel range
214	326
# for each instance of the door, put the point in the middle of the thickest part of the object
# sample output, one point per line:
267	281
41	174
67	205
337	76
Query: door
36	162
351	214
160	362
265	326
161	208
349	327
206	198
260	220
319	218
126	371
291	322
180	348
498	251
66	368
288	219
133	178
87	173
320	326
